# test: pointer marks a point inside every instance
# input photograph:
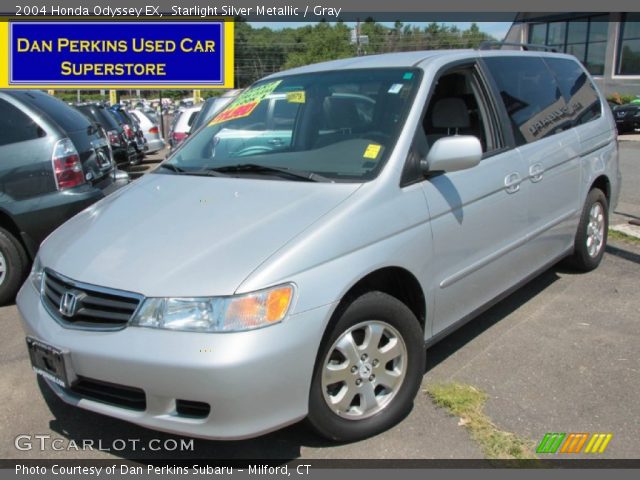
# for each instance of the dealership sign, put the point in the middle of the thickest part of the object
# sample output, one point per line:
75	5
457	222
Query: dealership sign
76	54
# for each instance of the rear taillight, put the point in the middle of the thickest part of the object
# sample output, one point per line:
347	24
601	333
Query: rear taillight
153	130
67	167
114	138
128	131
179	136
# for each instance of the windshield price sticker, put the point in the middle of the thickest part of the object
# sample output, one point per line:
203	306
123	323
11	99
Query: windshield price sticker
372	151
246	103
296	97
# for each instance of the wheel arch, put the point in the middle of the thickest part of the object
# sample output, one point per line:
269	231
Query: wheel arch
602	182
6	222
397	282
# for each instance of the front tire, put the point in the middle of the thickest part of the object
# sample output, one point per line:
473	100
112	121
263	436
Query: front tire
591	237
368	370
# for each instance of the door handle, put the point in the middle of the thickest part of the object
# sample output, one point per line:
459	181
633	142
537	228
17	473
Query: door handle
512	182
536	172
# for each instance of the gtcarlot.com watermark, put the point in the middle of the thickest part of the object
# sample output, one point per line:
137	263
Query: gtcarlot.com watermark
45	442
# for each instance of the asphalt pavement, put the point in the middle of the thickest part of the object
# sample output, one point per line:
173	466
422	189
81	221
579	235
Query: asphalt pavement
558	355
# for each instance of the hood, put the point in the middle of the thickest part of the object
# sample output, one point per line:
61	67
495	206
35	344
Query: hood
172	235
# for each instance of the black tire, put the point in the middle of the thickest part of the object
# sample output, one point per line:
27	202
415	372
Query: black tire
16	264
582	259
370	307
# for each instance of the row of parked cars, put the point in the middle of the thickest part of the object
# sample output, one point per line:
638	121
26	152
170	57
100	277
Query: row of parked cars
131	133
188	119
55	160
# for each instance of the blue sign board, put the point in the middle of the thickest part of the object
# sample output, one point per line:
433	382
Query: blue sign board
149	54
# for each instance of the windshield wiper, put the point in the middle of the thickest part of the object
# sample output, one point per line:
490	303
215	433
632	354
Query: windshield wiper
280	171
199	173
173	168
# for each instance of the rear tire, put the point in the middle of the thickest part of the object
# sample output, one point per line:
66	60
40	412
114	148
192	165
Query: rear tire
13	266
371	386
591	237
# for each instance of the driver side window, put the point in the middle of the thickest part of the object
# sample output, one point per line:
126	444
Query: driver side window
457	105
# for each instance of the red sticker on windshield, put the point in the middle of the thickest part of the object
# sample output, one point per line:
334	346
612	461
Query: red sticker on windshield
245	103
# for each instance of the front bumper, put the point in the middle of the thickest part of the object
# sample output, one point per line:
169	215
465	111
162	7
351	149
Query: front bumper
255	381
628	123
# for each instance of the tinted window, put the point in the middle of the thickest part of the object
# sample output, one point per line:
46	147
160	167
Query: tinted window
629	53
66	117
531	96
284	114
192	117
15	126
100	115
578	91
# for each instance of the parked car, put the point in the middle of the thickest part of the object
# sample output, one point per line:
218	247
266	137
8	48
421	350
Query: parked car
627	117
181	125
132	131
123	153
313	270
150	130
54	162
211	106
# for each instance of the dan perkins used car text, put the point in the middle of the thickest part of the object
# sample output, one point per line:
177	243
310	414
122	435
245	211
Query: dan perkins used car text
302	11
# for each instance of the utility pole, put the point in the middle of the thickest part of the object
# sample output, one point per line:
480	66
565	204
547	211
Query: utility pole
358	51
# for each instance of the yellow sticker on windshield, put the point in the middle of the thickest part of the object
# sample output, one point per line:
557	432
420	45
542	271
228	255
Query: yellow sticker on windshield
296	97
246	102
372	151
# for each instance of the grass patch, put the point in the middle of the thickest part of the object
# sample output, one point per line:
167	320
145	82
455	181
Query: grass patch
467	402
623	237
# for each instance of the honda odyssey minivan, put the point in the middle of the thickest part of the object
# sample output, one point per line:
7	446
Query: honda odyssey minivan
293	264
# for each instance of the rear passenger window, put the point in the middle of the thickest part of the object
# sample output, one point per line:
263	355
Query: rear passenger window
15	126
66	117
531	96
577	89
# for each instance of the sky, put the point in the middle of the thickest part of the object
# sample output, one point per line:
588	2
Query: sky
497	29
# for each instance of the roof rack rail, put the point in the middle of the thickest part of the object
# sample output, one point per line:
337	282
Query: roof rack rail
492	44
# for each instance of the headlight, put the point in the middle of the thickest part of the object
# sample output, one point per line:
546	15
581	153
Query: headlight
37	272
216	314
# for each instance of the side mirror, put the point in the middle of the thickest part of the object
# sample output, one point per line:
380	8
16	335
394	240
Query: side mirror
450	154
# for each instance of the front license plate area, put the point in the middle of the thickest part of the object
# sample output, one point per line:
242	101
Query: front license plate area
48	361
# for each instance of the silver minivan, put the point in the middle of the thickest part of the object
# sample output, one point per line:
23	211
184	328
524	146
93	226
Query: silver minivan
293	258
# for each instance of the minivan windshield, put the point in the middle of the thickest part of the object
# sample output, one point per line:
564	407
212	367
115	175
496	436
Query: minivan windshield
329	126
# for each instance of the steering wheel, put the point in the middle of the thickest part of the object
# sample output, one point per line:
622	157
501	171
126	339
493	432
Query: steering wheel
253	150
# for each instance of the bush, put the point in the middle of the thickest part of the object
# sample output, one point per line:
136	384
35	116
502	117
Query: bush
621	99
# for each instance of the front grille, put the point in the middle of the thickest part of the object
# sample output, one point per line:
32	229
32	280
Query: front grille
88	306
110	393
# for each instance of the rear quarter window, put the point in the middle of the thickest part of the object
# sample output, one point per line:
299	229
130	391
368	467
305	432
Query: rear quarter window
66	117
531	96
16	126
577	89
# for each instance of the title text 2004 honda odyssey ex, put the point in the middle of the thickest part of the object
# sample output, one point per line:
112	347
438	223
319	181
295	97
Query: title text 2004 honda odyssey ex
291	259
